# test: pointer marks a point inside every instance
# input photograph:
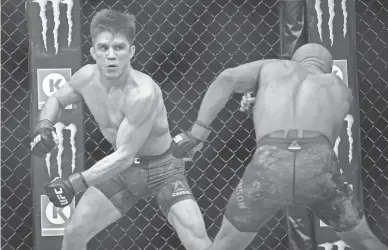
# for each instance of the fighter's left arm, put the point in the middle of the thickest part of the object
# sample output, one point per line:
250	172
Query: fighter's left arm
140	114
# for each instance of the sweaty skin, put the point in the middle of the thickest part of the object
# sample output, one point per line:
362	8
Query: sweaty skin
306	101
298	94
129	110
109	107
289	94
131	116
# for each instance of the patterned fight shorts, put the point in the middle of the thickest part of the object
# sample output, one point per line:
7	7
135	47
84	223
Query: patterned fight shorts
286	171
161	176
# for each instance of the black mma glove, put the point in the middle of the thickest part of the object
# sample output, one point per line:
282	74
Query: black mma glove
44	138
61	191
185	144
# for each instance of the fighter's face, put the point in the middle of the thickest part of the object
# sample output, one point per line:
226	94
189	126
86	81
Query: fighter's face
113	53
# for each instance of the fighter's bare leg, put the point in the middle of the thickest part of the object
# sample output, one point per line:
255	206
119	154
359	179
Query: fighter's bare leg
230	238
362	238
100	206
186	218
93	213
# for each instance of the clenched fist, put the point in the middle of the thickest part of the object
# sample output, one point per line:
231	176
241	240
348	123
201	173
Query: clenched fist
44	138
61	191
247	102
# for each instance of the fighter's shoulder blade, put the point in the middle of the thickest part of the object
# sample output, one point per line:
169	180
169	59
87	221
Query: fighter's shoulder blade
83	76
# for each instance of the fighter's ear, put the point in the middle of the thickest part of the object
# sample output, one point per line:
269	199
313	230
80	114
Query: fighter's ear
133	50
92	52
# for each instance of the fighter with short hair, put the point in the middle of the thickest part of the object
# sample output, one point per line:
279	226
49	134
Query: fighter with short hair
129	110
299	112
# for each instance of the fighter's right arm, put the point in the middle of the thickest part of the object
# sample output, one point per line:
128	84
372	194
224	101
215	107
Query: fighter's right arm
66	95
44	135
241	79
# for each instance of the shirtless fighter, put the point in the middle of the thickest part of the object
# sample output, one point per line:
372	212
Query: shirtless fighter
128	107
299	111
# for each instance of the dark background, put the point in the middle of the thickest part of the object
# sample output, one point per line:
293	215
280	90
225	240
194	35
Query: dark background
184	45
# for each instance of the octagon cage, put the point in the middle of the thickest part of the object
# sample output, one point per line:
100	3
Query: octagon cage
184	45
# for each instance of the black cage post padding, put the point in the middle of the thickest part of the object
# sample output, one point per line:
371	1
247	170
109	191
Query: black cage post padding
293	26
340	39
54	30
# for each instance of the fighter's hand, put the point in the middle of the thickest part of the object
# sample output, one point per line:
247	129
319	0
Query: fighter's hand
60	192
247	102
184	146
44	139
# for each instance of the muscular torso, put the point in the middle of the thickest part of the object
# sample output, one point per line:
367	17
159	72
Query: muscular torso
291	97
106	105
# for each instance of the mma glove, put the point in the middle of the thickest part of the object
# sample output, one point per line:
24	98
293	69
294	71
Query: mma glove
184	145
247	102
62	190
44	138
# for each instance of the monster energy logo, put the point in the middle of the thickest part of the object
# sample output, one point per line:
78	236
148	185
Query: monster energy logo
349	121
59	128
57	22
331	7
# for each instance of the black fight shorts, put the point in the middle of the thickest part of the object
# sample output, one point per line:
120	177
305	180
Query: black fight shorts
160	176
286	171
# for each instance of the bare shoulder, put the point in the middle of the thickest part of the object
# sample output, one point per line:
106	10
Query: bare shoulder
147	87
331	80
278	66
337	80
142	102
83	76
146	90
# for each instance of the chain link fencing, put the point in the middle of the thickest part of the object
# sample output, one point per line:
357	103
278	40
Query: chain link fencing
184	45
372	48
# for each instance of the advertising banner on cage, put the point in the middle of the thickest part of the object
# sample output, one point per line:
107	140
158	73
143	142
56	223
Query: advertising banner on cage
54	29
333	24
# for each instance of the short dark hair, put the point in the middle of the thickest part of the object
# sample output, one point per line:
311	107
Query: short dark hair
113	21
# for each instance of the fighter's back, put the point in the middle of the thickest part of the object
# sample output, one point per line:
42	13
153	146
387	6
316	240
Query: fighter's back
111	106
292	96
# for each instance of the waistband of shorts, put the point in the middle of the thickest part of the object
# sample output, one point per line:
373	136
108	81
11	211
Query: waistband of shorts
148	158
294	135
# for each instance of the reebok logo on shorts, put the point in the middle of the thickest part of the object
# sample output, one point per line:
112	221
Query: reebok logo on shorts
179	189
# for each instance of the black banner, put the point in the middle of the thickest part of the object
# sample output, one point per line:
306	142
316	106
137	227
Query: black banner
333	24
55	54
